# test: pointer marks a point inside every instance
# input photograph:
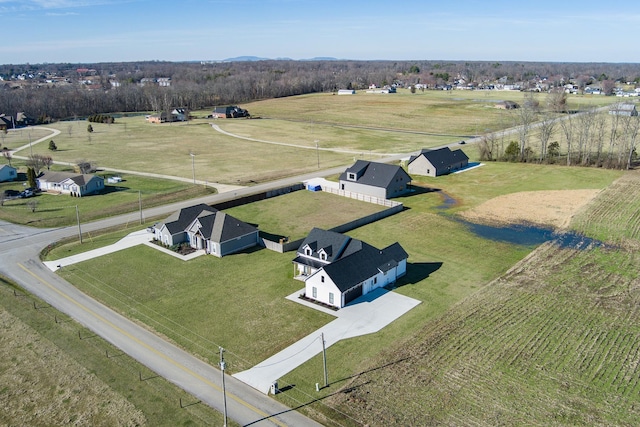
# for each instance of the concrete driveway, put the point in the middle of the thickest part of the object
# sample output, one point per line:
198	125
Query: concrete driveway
365	315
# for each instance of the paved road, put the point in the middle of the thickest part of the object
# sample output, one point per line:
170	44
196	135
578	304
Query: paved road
19	249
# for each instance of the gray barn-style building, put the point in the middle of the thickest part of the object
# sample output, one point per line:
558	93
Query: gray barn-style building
437	162
375	179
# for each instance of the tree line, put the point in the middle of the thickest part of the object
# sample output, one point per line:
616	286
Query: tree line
202	85
551	134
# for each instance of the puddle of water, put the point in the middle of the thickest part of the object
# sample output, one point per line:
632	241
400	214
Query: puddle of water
532	235
522	234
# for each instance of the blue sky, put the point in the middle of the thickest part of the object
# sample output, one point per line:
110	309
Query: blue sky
37	31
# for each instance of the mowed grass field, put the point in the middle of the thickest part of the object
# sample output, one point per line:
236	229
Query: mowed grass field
554	341
283	142
238	301
54	210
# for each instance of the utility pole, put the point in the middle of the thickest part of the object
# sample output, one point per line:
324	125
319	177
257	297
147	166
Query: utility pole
78	219
324	362
140	204
224	390
317	152
30	147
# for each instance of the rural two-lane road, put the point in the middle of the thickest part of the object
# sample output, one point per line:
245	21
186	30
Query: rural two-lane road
19	261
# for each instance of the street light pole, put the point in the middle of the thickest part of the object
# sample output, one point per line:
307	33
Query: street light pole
317	152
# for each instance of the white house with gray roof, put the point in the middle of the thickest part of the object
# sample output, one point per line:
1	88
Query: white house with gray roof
380	180
73	184
207	228
337	269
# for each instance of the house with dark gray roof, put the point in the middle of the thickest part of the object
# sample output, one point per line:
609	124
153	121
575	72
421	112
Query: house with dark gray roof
437	162
380	180
337	269
209	229
73	184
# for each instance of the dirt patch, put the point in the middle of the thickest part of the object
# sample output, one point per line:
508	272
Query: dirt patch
551	208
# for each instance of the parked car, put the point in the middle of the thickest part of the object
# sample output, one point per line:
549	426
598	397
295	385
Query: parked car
11	194
27	193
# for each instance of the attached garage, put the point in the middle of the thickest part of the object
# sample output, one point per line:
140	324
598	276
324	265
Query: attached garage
352	294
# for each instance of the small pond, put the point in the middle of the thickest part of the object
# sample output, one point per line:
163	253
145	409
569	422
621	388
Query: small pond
521	234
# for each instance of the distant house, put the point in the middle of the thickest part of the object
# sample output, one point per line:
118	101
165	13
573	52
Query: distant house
346	92
437	162
162	117
375	179
179	115
8	173
176	115
74	184
507	105
204	227
623	109
229	112
6	123
337	269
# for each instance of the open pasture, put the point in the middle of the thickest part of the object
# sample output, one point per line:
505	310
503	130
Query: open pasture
554	341
238	301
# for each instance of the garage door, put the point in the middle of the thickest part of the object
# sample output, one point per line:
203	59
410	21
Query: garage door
352	294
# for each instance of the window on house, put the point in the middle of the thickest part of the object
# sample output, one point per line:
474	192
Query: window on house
323	256
314	292
322	279
330	297
375	280
307	251
351	176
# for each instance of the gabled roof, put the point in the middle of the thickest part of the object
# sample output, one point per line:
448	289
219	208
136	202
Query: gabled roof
180	220
374	174
359	266
335	245
220	227
442	156
7	167
58	177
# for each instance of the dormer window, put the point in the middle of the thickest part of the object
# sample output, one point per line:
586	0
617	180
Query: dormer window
351	176
307	251
323	256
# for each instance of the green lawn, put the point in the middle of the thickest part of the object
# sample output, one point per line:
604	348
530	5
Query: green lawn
60	392
57	210
295	214
238	301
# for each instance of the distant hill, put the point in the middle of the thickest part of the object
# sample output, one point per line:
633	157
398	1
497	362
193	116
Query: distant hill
258	58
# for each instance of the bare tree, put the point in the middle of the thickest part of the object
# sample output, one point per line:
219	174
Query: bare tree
547	126
567	130
37	162
524	118
32	204
631	126
7	154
